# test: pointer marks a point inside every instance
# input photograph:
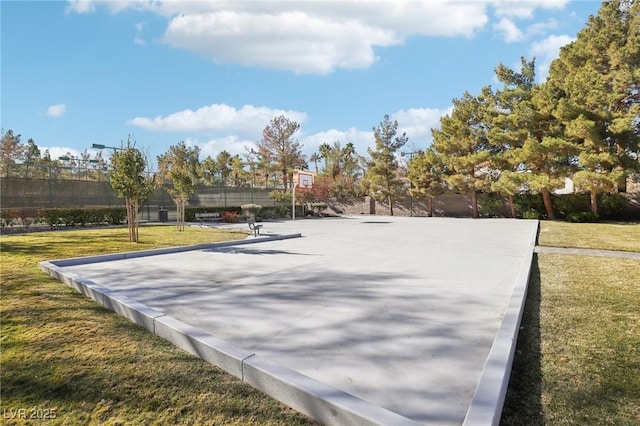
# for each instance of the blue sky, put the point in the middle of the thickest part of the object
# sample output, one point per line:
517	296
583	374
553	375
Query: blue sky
214	73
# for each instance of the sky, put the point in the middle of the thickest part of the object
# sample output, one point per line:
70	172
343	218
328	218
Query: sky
215	73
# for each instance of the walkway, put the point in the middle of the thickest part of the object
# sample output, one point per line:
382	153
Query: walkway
588	252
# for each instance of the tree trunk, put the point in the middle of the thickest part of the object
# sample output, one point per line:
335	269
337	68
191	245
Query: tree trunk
430	206
390	205
474	204
135	220
512	207
594	202
183	213
548	206
132	219
128	203
178	214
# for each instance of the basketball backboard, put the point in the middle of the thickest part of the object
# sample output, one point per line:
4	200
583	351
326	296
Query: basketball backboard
305	180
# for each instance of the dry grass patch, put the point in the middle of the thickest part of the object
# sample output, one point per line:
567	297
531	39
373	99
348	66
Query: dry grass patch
62	351
604	236
578	352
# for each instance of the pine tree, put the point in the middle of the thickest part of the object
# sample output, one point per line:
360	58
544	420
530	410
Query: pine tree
382	179
463	145
427	175
11	151
237	170
223	166
513	120
31	152
597	82
209	171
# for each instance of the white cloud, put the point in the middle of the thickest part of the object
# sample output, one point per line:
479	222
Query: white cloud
309	37
80	6
139	41
417	124
360	139
212	147
217	118
546	51
318	37
525	9
508	30
114	6
56	110
235	130
286	41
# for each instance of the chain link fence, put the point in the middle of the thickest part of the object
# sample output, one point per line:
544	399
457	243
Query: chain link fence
53	186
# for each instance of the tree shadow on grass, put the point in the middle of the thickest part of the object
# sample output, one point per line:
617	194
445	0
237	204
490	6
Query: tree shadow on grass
523	402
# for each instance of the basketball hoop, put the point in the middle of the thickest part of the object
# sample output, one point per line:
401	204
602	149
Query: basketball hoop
302	179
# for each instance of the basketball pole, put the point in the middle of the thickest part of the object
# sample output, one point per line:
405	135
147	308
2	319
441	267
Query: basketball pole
293	202
295	183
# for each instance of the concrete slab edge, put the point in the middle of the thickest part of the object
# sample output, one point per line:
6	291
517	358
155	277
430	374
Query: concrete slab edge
488	400
73	261
218	352
321	402
134	311
317	400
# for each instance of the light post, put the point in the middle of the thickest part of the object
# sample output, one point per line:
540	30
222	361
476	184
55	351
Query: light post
410	154
100	146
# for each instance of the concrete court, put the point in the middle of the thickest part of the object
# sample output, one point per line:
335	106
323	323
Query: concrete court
399	312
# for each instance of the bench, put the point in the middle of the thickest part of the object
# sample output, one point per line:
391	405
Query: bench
214	217
253	226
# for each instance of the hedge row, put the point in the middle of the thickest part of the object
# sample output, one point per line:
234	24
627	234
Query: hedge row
571	207
67	217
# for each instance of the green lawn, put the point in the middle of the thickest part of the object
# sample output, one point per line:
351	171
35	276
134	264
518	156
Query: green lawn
63	352
578	354
578	359
606	236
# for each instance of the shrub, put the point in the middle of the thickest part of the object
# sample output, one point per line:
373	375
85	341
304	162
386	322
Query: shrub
281	196
612	206
52	217
190	212
531	214
78	217
529	204
28	216
583	217
81	217
8	217
250	209
318	208
269	213
491	206
115	215
229	217
566	204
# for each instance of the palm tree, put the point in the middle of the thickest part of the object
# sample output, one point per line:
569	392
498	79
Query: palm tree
315	157
325	151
